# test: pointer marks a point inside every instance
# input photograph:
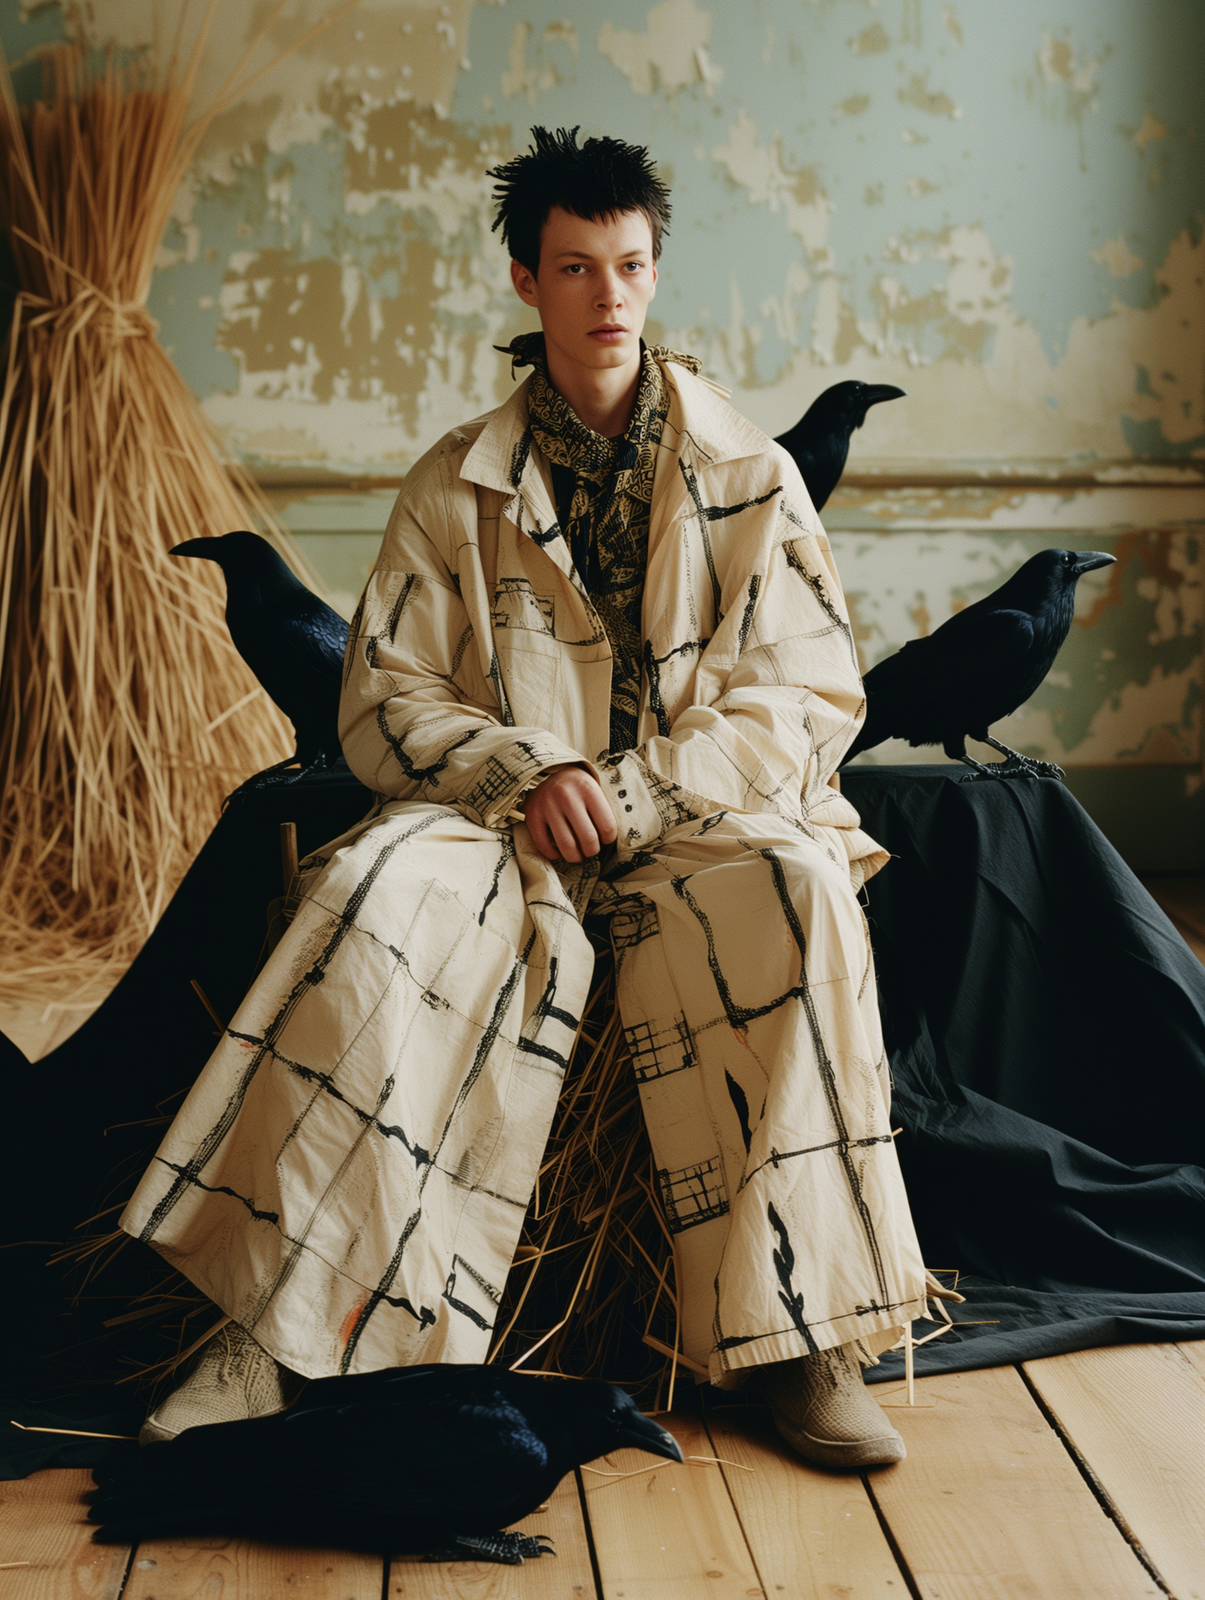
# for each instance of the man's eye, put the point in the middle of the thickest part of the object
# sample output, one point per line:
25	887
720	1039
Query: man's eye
575	267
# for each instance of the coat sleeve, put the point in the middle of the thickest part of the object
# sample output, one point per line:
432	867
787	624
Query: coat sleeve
778	696
423	713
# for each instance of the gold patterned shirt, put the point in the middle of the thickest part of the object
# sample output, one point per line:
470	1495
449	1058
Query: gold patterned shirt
604	490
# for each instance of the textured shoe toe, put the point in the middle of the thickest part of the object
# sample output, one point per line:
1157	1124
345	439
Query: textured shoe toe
153	1432
852	1454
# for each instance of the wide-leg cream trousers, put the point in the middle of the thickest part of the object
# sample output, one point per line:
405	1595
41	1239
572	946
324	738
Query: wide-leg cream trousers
349	1175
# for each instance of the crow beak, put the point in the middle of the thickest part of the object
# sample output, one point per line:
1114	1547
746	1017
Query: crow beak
883	391
642	1433
196	547
1089	560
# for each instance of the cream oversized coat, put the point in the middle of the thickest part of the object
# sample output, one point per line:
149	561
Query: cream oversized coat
349	1174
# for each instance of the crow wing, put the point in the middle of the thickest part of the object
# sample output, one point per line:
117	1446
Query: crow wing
959	680
298	658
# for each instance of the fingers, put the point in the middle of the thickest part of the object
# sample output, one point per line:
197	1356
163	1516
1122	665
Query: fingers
568	816
572	831
601	815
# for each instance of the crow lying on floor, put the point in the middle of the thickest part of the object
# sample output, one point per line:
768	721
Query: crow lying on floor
819	441
978	667
419	1460
292	641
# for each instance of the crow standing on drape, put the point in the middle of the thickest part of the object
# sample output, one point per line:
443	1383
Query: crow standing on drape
979	666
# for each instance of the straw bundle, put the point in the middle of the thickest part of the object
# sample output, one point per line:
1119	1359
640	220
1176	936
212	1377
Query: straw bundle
125	712
593	1280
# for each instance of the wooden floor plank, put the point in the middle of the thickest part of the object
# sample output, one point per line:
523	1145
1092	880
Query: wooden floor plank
242	1569
990	1506
42	1521
566	1576
1136	1414
812	1533
670	1534
1194	1349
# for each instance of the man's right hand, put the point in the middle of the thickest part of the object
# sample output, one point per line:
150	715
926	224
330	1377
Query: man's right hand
568	816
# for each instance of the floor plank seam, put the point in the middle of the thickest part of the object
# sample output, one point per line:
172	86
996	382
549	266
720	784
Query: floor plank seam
1098	1489
594	1567
736	1510
892	1542
125	1577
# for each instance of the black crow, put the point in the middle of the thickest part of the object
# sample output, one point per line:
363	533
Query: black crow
419	1460
979	666
291	640
819	441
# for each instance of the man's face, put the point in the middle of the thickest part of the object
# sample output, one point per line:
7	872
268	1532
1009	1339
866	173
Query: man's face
594	286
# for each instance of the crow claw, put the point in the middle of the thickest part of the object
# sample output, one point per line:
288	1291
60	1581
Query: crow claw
510	1549
1017	766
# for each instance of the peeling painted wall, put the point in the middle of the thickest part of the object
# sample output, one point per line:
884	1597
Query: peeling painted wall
997	207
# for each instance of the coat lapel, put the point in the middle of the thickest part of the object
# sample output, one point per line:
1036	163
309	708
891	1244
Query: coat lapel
501	459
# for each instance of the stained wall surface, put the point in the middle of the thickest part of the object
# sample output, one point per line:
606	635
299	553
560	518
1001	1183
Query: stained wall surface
998	208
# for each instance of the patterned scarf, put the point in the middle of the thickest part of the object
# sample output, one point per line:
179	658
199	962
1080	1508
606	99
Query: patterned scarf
604	492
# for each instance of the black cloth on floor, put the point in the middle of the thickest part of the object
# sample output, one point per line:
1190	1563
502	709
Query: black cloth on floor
1045	1024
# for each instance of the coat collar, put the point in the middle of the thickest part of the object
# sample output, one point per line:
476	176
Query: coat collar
716	431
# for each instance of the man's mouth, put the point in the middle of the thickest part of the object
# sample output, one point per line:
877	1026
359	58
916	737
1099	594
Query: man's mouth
608	332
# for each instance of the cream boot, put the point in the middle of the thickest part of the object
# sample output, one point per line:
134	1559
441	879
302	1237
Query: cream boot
233	1380
821	1407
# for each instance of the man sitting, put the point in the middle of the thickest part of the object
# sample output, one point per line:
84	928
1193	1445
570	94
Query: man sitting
603	663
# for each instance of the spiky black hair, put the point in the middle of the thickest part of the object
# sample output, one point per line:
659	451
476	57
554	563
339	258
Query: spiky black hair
596	179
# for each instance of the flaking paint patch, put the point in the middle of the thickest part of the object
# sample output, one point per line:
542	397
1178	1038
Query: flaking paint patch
670	54
380	47
979	375
1118	258
1057	60
916	92
402	313
1150	130
1074	80
872	40
758	169
523	76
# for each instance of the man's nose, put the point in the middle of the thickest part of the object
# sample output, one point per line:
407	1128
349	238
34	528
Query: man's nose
610	290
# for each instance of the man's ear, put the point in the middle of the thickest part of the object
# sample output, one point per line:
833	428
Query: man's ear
654	288
524	282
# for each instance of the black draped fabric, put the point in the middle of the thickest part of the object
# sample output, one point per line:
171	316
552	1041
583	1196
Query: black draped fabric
1046	1029
1045	1022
